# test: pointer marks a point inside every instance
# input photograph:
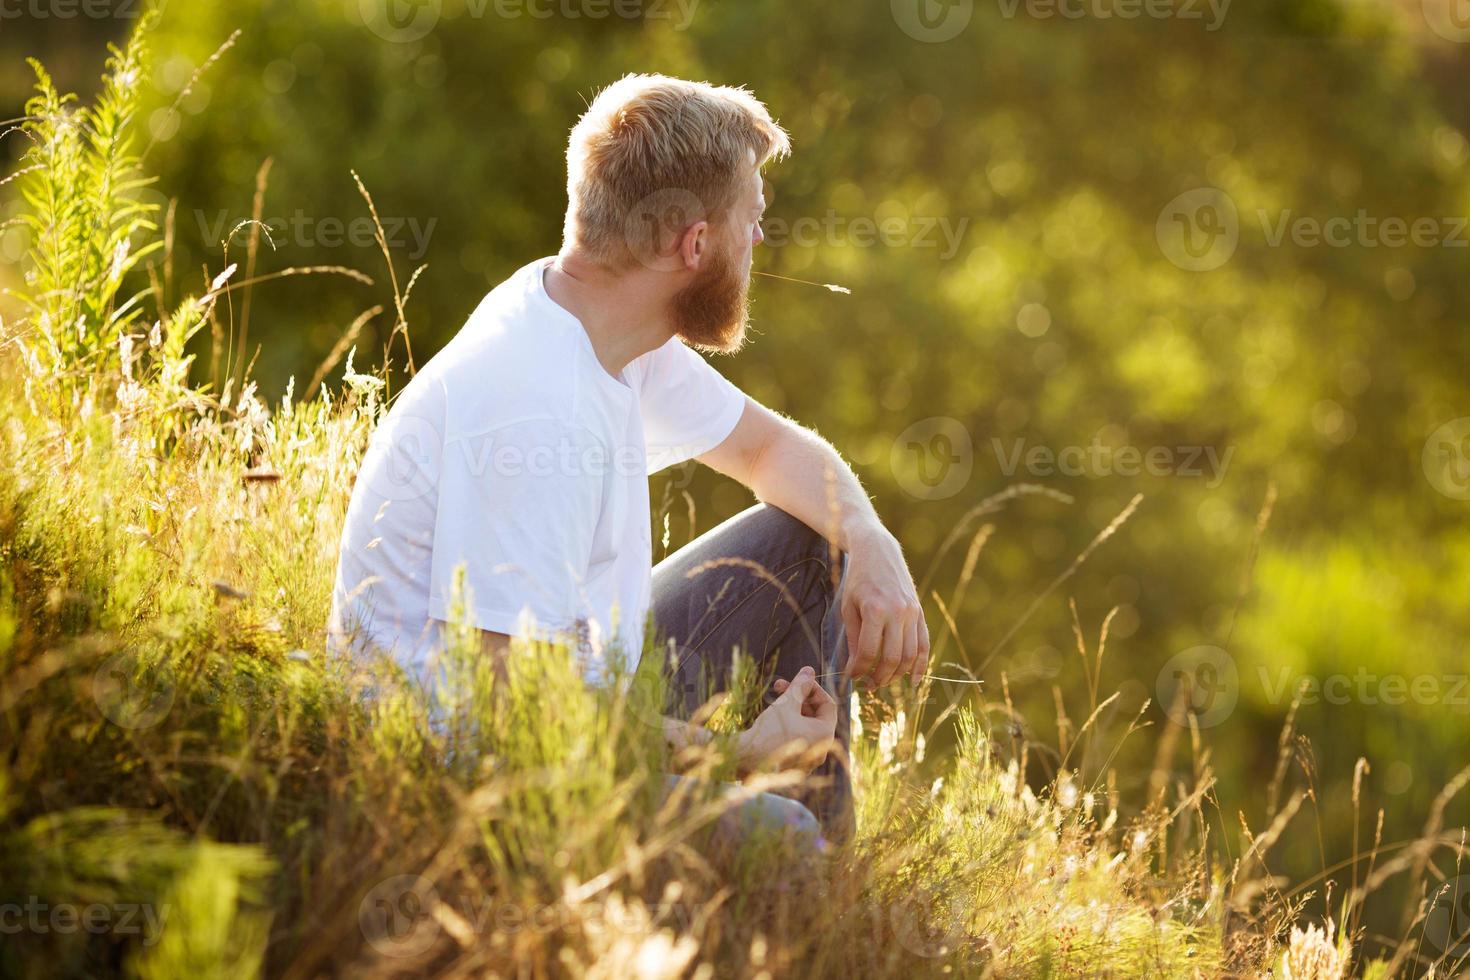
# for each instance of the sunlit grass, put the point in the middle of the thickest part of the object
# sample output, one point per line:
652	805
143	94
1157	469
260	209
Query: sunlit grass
174	736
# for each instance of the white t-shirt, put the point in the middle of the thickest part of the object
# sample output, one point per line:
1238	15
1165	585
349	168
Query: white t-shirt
515	454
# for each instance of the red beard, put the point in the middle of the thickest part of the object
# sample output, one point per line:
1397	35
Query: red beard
711	313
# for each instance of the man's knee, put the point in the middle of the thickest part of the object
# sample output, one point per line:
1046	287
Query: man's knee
775	815
773	523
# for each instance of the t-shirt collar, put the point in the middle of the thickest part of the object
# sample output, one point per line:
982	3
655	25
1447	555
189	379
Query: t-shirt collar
540	295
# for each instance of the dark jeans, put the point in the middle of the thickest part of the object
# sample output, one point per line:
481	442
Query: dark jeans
767	584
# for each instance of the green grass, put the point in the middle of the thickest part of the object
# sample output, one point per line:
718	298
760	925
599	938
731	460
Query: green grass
177	748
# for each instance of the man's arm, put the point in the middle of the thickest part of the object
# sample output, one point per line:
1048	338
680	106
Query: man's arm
795	469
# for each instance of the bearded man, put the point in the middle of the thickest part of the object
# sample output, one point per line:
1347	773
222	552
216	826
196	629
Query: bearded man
519	456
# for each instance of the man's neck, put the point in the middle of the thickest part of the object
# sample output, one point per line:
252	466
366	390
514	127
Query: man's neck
623	315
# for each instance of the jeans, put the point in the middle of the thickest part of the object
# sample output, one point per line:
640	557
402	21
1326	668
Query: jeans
767	584
765	814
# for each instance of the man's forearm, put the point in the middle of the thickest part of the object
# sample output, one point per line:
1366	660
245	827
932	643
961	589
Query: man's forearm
801	473
798	471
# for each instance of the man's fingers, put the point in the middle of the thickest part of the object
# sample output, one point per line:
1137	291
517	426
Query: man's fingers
852	625
910	650
809	693
892	660
921	662
803	716
817	695
824	707
796	688
870	647
819	710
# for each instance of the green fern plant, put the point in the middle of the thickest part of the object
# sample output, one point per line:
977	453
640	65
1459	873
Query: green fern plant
80	180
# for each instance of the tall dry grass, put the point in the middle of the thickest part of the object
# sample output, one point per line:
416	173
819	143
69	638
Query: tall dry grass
176	746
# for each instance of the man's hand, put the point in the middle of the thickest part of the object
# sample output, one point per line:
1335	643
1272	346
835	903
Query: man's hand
800	720
887	637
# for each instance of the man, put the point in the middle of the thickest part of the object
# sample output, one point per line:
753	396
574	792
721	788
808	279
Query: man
520	454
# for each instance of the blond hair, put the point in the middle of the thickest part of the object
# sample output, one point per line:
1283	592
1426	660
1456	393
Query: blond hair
652	155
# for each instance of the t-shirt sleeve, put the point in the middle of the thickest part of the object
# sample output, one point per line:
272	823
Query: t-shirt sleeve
688	407
518	510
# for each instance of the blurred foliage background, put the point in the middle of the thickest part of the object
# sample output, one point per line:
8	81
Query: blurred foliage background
1031	293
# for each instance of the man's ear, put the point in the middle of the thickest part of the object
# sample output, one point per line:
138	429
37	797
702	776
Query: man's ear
694	245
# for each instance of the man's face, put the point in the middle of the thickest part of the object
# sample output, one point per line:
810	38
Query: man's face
712	311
